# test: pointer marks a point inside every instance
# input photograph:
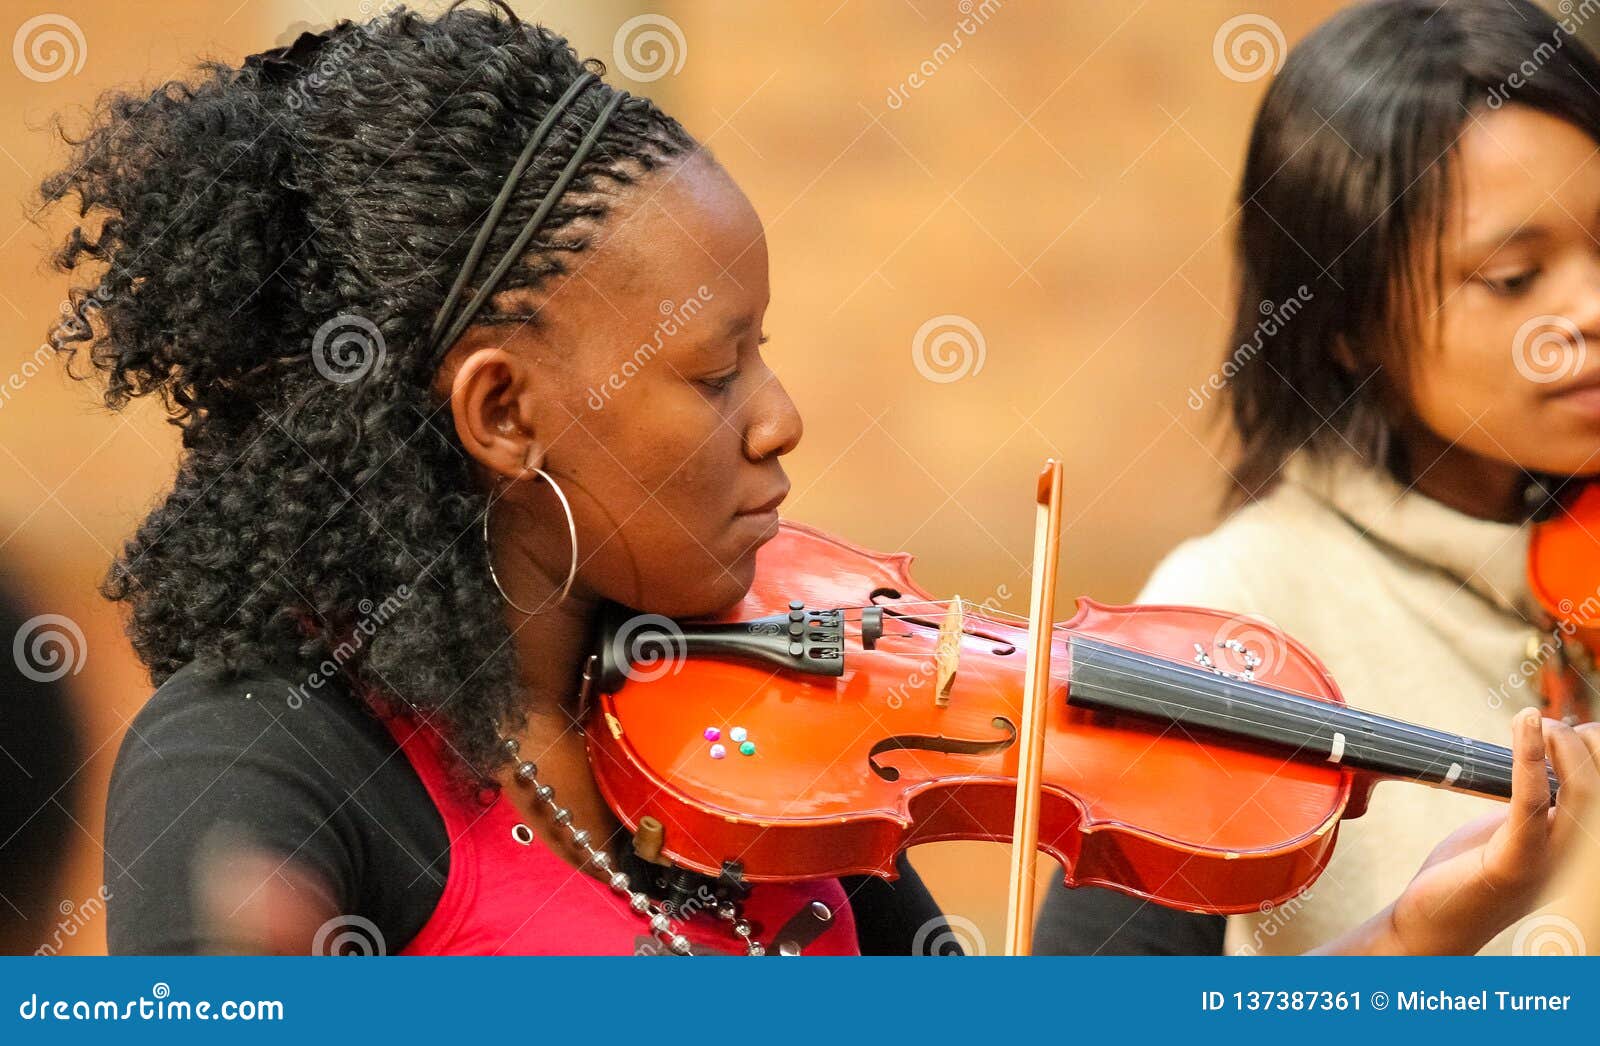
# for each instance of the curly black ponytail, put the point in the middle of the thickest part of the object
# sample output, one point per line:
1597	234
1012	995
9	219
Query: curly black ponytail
276	240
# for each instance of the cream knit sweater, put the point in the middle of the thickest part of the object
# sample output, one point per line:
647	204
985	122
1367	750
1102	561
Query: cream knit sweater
1418	611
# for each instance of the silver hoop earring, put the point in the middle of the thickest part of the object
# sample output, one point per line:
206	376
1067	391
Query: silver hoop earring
572	535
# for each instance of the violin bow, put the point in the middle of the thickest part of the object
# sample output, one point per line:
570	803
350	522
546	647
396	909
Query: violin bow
1035	697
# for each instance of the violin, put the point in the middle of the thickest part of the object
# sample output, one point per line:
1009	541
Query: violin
841	714
1564	576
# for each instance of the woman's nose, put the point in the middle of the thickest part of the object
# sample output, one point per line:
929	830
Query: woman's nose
775	426
1583	304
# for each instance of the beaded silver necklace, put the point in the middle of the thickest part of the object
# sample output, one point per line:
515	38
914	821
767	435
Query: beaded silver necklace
662	925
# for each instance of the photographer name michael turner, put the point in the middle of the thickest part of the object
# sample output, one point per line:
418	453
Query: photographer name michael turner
1482	1000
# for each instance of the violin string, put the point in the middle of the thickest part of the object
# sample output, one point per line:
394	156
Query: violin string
1493	756
1397	729
1394	727
1432	742
1488	755
1351	748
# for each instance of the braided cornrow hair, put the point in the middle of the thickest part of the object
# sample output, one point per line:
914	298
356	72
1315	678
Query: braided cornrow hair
276	242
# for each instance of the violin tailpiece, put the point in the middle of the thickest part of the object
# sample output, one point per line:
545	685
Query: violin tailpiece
801	639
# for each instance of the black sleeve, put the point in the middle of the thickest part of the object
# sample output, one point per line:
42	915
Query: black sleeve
41	748
900	917
216	767
1095	921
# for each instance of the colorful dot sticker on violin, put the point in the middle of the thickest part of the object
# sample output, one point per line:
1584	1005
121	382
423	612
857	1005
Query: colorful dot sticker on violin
748	748
719	751
713	734
738	735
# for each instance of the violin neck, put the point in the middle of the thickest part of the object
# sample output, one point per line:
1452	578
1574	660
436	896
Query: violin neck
1109	678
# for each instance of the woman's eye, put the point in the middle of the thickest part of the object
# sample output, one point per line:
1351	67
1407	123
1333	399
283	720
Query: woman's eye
721	382
1514	283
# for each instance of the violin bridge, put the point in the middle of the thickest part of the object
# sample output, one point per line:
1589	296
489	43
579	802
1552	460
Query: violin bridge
947	654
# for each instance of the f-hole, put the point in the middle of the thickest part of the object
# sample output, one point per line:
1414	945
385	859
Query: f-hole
940	743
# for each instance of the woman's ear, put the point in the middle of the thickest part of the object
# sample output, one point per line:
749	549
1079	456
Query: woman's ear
492	400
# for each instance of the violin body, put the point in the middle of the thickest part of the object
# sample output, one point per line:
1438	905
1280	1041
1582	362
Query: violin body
849	770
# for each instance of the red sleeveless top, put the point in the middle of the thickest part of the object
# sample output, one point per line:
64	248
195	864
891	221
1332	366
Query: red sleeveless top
506	897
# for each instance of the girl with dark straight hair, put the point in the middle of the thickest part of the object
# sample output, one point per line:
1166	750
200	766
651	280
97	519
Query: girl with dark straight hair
1419	216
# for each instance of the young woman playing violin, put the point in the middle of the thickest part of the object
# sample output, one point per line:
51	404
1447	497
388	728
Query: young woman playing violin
1437	241
370	595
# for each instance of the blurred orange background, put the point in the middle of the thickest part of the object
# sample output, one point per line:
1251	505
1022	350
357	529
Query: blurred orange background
999	231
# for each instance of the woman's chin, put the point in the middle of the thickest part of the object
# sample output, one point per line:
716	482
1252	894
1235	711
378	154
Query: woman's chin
730	585
710	589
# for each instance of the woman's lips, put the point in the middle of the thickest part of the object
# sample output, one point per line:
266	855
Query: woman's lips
756	528
1584	399
762	520
768	507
